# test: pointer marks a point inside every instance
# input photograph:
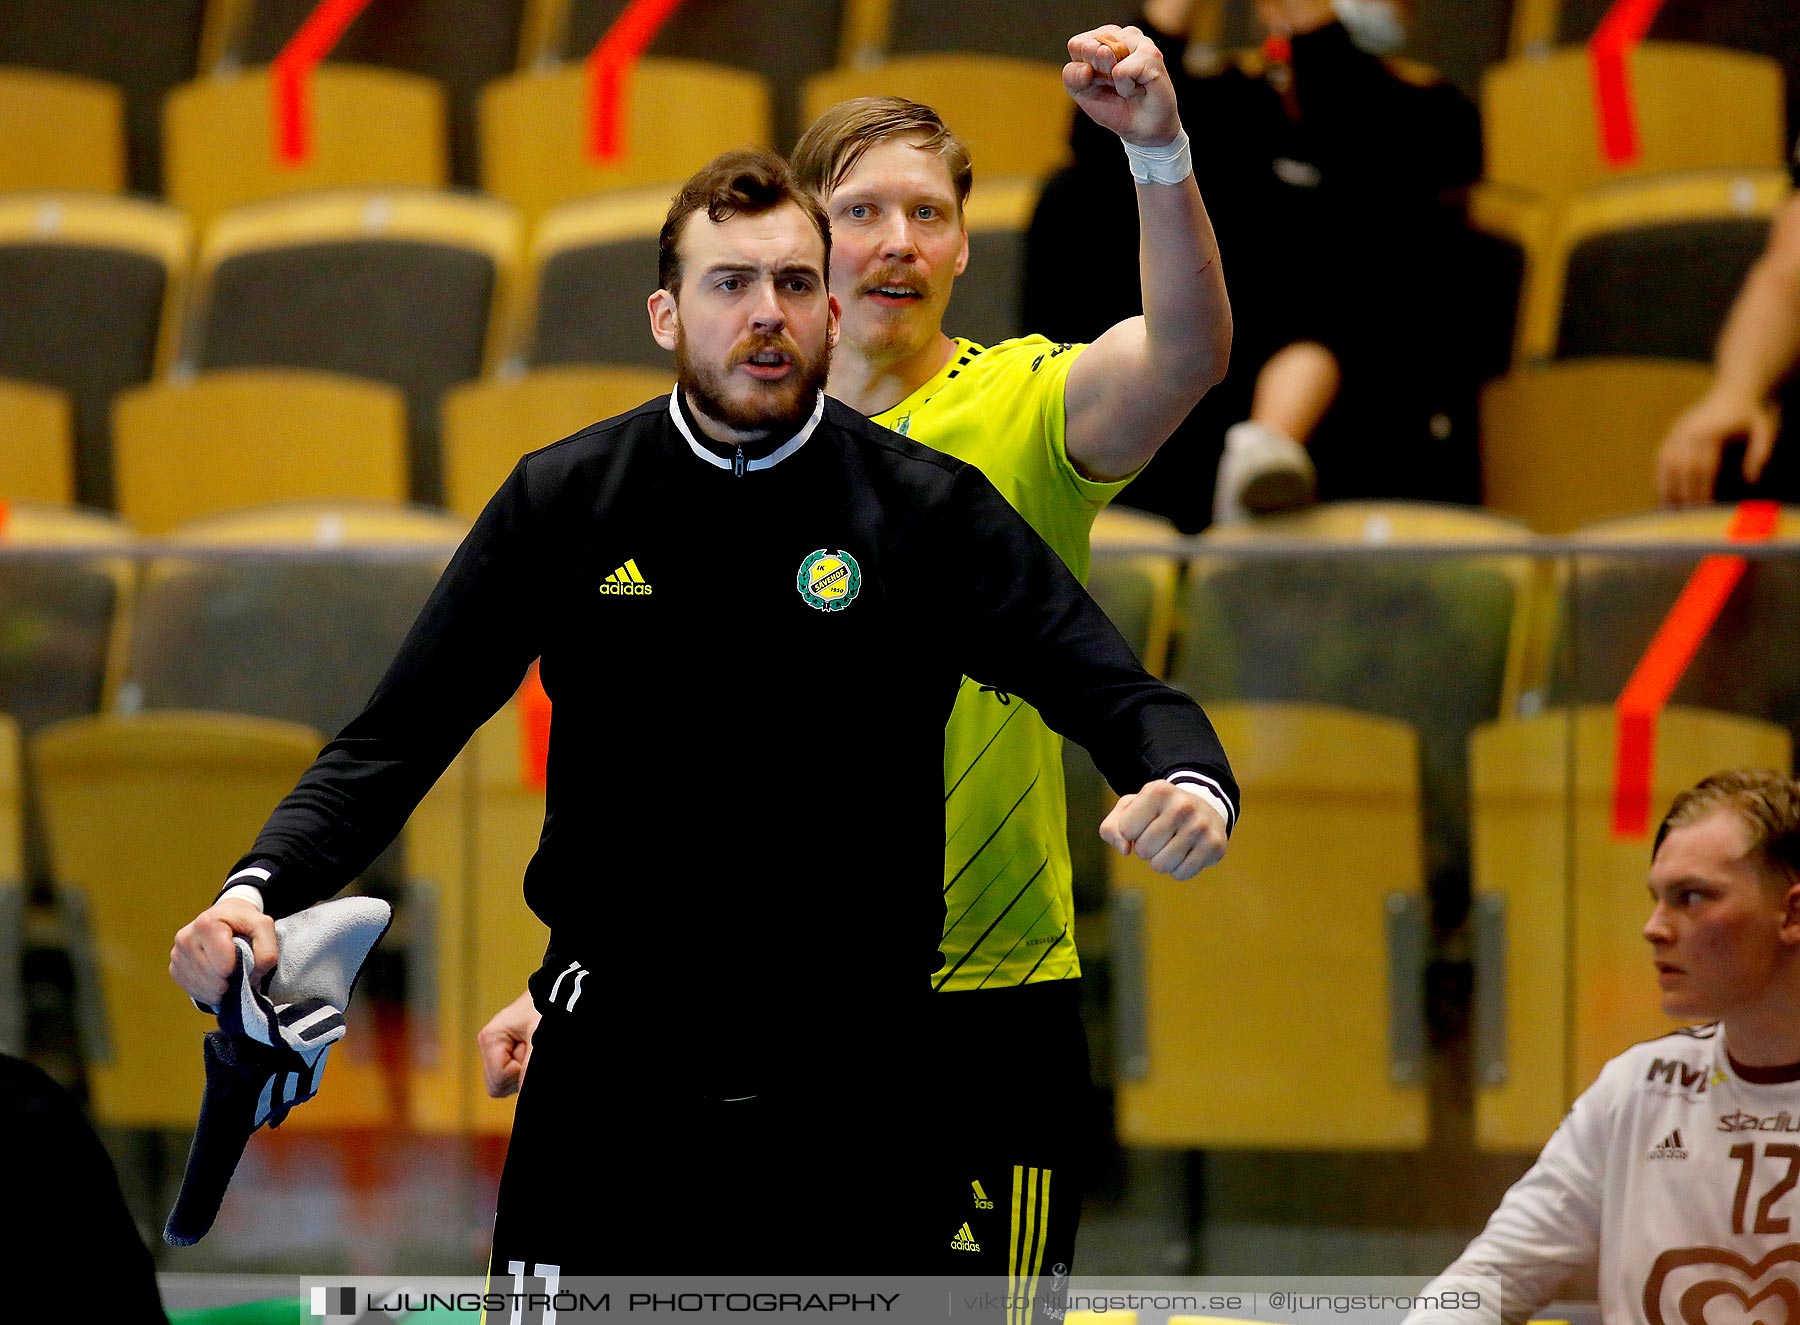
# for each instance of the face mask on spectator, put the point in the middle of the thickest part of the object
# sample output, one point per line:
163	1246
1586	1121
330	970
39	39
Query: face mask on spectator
1374	25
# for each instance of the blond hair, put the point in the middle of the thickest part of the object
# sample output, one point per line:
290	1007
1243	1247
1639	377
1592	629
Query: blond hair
833	144
1765	801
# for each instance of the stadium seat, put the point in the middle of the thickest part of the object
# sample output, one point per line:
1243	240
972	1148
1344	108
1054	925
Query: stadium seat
1649	267
1137	589
488	425
1437	642
1013	113
141	47
1759	27
409	288
1548	872
60	132
37	460
230	617
1534	27
1029	29
249	437
1610	602
1133	576
91	287
12	891
61	603
1516	226
1298	1002
139	810
985	305
593	266
461	44
1567	443
65	585
370	128
1697	107
812	35
468	846
678	114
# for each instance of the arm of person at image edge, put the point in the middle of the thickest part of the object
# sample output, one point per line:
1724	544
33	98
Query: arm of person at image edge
1138	380
1758	349
464	657
1022	623
1546	1228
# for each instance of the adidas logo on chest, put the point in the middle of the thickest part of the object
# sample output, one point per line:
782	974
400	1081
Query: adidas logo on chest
627	581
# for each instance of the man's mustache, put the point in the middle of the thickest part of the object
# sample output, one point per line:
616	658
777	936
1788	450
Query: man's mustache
745	350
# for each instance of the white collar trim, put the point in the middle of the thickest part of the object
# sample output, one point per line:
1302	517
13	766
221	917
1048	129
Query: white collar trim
769	461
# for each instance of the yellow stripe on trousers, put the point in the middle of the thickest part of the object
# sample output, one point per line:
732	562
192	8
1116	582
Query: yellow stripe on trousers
1025	1241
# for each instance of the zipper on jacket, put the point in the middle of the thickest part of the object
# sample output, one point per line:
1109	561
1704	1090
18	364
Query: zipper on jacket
737	465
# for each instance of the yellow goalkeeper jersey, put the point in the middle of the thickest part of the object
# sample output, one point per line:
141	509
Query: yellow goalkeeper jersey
1006	850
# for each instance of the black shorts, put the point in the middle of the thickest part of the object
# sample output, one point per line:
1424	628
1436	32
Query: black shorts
1011	1116
617	1167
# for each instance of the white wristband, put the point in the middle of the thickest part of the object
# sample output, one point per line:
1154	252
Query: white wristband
1169	164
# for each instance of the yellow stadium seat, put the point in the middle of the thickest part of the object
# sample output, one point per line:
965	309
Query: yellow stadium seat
1648	267
1567	443
812	35
1341	1002
1123	1317
92	287
984	306
459	44
63	617
370	127
324	524
1145	551
1607	604
12	891
1132	575
678	114
1547	874
593	265
1697	108
58	131
1013	114
229	617
411	287
249	437
468	846
1319	622
489	424
37	459
1519	222
143	813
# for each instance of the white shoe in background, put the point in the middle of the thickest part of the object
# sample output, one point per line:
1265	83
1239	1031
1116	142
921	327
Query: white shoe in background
1261	472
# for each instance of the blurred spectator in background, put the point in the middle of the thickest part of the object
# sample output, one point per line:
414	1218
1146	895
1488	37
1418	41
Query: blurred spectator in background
1728	446
1335	178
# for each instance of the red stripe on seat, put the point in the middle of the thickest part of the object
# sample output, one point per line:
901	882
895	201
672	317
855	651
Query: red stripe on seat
293	76
609	73
1667	658
1609	58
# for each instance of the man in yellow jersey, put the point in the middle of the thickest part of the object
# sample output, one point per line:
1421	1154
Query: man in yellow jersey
1059	430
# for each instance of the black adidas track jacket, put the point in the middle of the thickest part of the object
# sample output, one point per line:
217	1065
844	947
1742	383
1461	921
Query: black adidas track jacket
751	664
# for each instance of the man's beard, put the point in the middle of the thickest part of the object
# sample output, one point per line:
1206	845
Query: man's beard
771	406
